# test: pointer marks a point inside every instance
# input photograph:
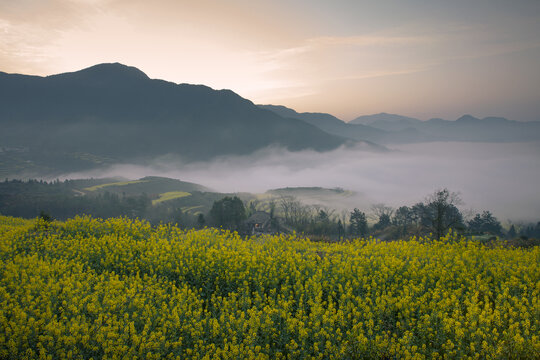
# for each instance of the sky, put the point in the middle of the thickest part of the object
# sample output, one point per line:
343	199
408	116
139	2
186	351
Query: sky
416	58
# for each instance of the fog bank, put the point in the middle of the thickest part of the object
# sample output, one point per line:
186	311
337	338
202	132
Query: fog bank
502	178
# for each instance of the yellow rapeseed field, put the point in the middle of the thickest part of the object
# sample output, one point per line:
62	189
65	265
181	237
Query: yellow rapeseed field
121	289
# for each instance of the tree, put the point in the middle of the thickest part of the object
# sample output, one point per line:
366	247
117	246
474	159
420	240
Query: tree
511	232
294	212
378	210
419	215
322	216
320	223
252	208
383	223
358	223
442	214
531	231
382	214
403	219
274	223
228	212
485	223
45	216
403	216
340	229
201	221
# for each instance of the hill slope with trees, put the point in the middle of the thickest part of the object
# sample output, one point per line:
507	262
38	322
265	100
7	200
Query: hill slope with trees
114	113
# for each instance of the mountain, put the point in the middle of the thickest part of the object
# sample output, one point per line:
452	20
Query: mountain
115	113
331	124
388	129
465	128
317	119
384	121
489	129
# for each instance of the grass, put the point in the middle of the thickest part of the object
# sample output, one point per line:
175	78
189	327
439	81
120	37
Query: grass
169	196
120	183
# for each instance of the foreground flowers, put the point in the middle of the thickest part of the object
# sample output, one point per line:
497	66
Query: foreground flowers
118	288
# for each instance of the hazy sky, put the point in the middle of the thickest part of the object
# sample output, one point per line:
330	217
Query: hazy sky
418	58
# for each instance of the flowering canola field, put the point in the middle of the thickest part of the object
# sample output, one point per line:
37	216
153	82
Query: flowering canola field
121	289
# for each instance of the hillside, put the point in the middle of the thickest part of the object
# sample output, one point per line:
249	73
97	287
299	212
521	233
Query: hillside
154	198
150	185
113	113
333	125
376	120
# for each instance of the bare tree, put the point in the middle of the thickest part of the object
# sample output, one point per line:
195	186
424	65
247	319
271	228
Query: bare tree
443	213
294	212
378	210
382	214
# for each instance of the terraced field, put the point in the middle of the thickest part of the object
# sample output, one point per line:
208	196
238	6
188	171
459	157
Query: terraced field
170	195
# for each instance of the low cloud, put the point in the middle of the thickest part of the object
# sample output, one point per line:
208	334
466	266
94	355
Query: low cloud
502	178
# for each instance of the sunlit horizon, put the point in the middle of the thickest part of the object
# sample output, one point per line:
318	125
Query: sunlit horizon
346	58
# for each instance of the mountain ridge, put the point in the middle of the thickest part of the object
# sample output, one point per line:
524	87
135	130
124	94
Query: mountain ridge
117	112
369	119
388	129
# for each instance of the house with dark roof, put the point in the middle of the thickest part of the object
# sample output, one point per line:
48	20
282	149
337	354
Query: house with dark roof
260	222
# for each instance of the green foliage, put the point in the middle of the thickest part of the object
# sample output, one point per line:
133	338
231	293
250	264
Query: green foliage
383	223
512	232
228	213
485	223
46	217
201	221
358	224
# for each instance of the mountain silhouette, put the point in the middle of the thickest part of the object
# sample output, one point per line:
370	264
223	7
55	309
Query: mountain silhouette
382	117
332	125
115	113
388	129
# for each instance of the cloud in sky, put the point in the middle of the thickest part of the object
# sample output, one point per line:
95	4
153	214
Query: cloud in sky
344	57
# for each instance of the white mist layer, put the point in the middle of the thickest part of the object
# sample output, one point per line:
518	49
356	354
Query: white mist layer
501	177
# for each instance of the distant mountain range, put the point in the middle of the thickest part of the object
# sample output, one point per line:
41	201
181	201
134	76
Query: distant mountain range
114	113
381	120
396	129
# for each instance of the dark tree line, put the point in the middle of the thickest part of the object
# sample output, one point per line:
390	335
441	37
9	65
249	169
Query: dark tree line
61	205
435	216
60	200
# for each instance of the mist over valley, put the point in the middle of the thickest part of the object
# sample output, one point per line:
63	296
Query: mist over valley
111	120
500	177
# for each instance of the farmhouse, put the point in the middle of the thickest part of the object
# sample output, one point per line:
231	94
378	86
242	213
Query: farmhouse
260	222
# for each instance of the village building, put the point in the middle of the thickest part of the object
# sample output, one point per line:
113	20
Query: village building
260	222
